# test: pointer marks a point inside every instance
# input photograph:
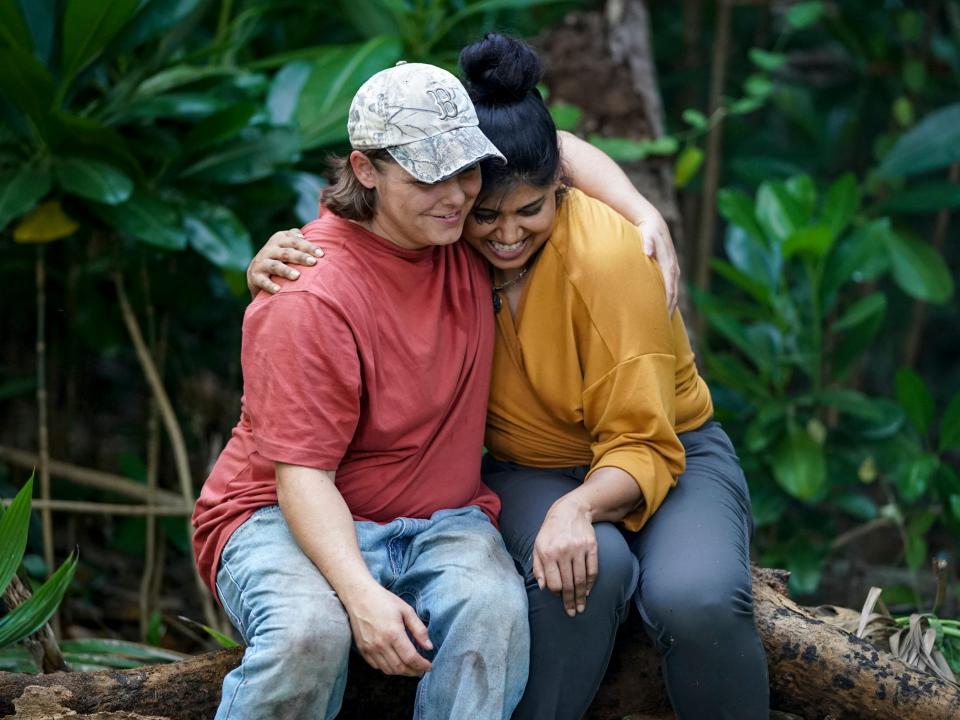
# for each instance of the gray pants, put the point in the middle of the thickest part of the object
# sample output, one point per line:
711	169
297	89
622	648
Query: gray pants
688	571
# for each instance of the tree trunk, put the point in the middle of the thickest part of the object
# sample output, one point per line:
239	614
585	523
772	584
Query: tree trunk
816	671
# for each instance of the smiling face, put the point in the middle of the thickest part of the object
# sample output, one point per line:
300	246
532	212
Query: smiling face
509	228
412	214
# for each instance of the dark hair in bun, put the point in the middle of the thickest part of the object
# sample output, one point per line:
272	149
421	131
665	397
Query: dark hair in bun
501	76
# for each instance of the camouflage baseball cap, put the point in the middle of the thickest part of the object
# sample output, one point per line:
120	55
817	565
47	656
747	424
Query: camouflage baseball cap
423	117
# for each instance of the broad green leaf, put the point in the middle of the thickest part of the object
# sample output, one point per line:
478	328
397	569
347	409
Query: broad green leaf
217	234
483	6
565	116
93	180
863	310
147	218
248	159
88	25
19	192
766	426
220	126
32	614
745	106
950	426
903	111
923	198
915	552
28	86
42	19
813	240
852	402
778	213
179	76
802	15
919	268
695	119
185	106
859	506
154	18
687	165
727	370
14	525
933	143
768	504
621	149
336	77
307	188
803	190
915	398
746	282
768	61
913	477
45	223
284	95
859	257
663	145
841	203
805	568
888	425
739	209
107	646
222	640
799	466
13	27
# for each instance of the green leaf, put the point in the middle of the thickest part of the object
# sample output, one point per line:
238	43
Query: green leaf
30	617
802	15
621	149
13	28
307	187
913	477
778	213
14	525
933	143
768	61
28	86
217	234
745	106
916	552
903	111
565	116
284	95
687	165
814	241
695	119
841	203
889	425
153	19
123	648
222	640
336	77
88	25
19	192
803	190
758	86
923	198
919	268
739	209
746	282
799	466
805	568
483	6
147	218
915	398
857	505
220	126
852	402
950	426
859	257
247	160
863	310
93	180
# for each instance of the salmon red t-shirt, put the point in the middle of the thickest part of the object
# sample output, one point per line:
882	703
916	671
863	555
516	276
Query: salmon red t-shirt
375	364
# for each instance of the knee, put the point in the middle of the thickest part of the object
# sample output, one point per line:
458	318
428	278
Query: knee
699	608
312	633
617	569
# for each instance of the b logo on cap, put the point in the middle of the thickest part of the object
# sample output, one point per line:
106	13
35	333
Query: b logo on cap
444	100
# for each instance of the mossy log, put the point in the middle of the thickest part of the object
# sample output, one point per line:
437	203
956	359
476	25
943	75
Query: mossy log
816	671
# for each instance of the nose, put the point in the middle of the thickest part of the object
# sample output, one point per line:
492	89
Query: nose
509	231
454	191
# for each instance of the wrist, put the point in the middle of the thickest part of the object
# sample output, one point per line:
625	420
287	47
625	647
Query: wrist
576	502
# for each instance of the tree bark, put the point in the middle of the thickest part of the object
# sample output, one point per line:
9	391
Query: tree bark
816	670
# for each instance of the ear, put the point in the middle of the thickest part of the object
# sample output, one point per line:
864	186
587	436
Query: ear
364	169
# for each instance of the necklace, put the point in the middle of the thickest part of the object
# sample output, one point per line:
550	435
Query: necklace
497	300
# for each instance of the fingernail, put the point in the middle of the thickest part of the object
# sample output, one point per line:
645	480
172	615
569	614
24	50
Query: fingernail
540	583
581	607
311	261
319	252
571	613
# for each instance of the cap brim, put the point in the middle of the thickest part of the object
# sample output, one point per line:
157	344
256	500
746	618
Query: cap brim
438	158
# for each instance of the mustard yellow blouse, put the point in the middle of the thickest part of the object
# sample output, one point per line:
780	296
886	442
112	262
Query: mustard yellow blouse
592	370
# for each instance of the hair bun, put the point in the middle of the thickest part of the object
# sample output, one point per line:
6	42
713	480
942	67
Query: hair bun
500	69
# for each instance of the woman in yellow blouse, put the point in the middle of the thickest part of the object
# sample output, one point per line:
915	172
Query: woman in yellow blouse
615	482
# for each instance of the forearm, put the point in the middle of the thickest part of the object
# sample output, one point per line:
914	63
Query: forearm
322	525
594	173
608	495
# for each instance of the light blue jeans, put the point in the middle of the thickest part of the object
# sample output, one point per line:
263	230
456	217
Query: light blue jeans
452	568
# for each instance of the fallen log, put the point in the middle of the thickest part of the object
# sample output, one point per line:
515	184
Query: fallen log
816	671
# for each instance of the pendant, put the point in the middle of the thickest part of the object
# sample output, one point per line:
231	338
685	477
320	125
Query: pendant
497	302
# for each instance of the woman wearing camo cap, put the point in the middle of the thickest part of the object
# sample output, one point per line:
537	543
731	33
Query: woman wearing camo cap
347	507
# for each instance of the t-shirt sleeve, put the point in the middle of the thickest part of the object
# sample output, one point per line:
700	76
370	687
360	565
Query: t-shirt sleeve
302	385
628	356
